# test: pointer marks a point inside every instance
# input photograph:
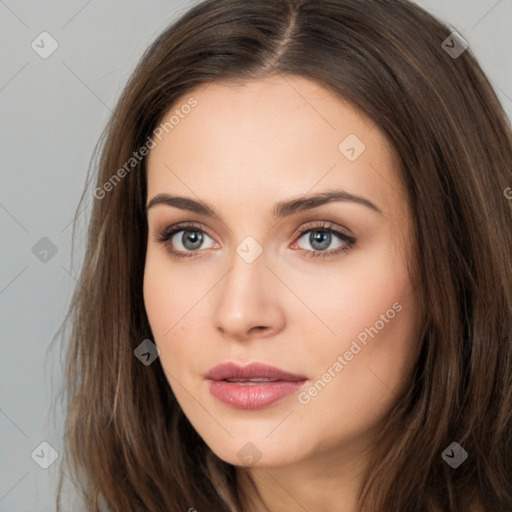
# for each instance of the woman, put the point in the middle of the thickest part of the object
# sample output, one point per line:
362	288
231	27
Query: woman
296	293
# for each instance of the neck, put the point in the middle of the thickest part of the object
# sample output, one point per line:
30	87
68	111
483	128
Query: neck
328	481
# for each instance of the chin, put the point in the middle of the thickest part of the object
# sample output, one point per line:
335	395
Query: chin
255	453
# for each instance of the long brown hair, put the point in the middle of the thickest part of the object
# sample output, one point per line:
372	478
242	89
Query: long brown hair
128	442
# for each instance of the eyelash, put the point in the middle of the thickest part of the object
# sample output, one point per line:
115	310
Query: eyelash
350	242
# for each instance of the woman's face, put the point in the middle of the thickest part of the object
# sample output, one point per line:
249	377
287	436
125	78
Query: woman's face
272	272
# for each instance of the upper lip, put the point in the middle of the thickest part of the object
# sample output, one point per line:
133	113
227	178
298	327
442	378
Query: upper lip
251	371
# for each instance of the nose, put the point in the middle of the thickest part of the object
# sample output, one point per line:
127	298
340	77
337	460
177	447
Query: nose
247	301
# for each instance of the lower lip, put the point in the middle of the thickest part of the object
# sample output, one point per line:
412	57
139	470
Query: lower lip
252	396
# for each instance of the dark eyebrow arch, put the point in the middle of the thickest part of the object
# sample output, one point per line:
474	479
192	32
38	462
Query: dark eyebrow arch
281	209
183	203
286	208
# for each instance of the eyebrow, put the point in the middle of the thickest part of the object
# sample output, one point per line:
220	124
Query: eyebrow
280	210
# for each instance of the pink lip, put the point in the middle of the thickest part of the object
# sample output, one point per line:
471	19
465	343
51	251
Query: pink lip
251	395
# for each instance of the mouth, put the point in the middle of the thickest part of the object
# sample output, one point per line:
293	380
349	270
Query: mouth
250	382
254	386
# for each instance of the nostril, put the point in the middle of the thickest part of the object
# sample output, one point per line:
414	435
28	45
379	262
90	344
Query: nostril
259	327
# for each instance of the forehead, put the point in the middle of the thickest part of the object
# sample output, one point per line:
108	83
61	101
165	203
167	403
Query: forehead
270	138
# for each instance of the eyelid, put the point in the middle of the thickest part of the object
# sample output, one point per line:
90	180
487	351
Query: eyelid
168	231
319	224
338	231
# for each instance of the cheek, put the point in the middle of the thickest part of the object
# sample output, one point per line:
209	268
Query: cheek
371	312
352	296
172	301
160	303
157	300
169	293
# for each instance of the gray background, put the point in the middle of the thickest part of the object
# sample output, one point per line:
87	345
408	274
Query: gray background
52	113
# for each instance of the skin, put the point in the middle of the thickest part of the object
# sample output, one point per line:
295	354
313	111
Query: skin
243	149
